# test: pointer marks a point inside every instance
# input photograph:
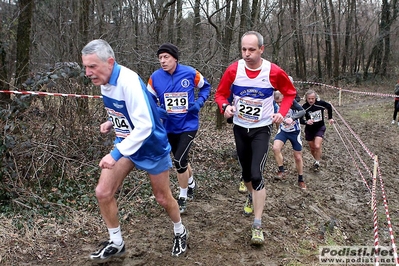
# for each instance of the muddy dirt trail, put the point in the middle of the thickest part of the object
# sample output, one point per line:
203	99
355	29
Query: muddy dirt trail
334	210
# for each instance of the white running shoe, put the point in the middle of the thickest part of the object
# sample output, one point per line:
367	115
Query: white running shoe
108	250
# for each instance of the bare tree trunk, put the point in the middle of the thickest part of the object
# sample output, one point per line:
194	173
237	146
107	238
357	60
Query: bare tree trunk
370	58
231	11
179	19
196	30
319	66
390	18
385	57
84	22
255	10
298	42
381	38
23	40
379	55
348	27
171	23
244	21
280	27
159	12
134	8
4	97
327	38
315	48
228	33
359	54
225	39
335	44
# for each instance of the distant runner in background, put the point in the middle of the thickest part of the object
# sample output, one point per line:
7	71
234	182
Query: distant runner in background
314	124
396	104
290	130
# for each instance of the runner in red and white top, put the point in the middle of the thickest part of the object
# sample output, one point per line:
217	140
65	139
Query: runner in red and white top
252	81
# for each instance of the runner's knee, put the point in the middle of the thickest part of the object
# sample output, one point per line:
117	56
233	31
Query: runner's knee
162	199
181	165
258	184
276	149
104	193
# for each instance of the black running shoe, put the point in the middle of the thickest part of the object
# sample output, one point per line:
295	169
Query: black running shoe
108	250
182	204
190	192
180	243
316	166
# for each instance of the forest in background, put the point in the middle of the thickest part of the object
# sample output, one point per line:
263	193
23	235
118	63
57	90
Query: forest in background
318	40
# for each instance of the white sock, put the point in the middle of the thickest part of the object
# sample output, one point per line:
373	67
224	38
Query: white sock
183	193
191	182
178	228
115	235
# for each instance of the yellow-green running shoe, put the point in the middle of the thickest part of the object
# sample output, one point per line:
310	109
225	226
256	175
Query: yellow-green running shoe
242	188
257	236
248	207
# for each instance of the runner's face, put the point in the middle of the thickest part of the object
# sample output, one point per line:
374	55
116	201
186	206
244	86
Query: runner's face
168	62
278	101
311	98
250	51
97	70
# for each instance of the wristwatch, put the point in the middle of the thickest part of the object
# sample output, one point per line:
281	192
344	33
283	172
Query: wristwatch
224	107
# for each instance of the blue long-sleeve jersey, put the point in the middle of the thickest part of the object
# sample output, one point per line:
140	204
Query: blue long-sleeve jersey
138	127
175	92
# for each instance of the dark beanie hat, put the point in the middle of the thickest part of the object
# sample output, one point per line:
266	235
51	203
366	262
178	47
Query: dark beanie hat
170	49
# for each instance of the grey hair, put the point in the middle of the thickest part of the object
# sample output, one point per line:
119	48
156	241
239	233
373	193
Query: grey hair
310	91
257	34
99	47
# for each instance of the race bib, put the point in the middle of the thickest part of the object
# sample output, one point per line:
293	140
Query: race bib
316	116
249	110
176	102
121	124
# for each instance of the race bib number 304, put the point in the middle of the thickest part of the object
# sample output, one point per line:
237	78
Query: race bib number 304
176	102
121	124
249	110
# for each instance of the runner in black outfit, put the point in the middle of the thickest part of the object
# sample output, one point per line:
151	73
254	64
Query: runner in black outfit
315	126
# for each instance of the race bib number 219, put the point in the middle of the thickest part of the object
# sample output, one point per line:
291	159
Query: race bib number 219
176	102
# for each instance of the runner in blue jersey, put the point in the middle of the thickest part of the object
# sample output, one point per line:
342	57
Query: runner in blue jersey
174	86
290	130
140	142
